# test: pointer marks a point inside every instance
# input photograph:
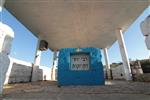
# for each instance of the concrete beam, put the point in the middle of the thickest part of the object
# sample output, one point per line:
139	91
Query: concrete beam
107	63
126	64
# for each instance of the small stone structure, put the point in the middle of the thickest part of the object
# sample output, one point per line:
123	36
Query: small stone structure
80	66
118	72
136	69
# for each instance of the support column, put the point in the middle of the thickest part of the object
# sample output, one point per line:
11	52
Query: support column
1	4
6	38
54	65
126	63
36	63
107	63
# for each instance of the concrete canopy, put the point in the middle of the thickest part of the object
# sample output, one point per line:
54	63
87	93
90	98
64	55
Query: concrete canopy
76	23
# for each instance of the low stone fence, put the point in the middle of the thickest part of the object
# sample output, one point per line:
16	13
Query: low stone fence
143	77
137	73
20	71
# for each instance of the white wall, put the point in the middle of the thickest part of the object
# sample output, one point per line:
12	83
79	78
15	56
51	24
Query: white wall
20	71
46	71
117	71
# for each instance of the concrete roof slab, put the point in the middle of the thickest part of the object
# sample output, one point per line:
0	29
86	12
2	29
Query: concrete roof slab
76	23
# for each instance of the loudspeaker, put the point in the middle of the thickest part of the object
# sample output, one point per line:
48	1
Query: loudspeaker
43	45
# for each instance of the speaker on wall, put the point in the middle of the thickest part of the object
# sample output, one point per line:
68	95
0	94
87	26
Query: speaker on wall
43	45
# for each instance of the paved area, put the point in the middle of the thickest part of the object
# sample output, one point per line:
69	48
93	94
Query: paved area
113	90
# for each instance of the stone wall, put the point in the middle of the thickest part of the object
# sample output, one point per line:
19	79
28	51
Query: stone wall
143	77
21	71
136	70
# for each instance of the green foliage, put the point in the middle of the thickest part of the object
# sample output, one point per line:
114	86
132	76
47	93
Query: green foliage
145	64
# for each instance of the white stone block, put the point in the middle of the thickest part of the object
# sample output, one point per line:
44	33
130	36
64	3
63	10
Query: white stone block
118	72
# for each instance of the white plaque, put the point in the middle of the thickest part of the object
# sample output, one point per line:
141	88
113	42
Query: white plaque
80	61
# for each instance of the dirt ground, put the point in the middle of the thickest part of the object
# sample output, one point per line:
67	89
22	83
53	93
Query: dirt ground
48	90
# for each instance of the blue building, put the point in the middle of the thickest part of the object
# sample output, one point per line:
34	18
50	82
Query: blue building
80	67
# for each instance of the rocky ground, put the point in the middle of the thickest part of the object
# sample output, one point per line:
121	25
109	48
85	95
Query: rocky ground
46	90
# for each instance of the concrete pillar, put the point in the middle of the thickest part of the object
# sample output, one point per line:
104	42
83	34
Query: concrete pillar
6	37
1	4
126	63
54	65
36	63
9	71
107	63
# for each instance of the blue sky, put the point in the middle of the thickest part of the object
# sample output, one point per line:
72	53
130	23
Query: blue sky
24	43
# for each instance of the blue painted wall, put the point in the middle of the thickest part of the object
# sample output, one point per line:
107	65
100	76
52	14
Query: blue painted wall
93	76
